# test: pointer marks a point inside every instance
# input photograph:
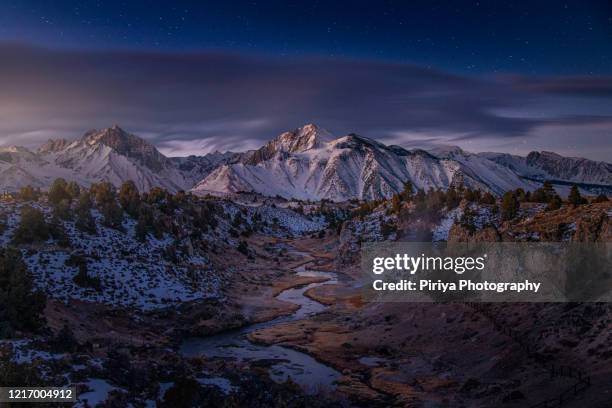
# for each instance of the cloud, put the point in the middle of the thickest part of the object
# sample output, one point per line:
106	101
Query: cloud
569	85
201	101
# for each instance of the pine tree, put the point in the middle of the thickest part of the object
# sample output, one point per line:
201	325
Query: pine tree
106	201
146	223
73	189
548	189
452	198
520	195
85	221
113	214
141	228
544	194
84	280
243	247
469	195
32	227
419	200
396	203
129	198
487	198
554	203
407	192
58	191
58	232
574	198
102	192
21	307
62	210
509	206
28	193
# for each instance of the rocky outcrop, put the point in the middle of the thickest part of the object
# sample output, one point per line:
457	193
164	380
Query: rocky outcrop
462	233
584	223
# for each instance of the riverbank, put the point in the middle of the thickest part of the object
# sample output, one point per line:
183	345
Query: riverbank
282	362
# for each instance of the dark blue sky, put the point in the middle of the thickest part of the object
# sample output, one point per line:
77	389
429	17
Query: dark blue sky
197	76
464	36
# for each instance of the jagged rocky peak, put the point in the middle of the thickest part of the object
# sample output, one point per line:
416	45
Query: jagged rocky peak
570	168
127	144
299	140
355	141
543	155
53	145
114	137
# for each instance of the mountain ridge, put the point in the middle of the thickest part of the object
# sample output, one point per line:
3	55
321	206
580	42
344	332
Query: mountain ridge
305	163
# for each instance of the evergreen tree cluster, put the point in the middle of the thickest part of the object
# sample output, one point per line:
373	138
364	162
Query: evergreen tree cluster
83	278
21	306
28	193
509	206
429	204
105	198
32	227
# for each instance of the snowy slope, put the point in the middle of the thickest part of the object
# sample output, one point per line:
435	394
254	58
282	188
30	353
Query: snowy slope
116	156
306	163
109	154
309	164
131	273
195	168
155	273
548	165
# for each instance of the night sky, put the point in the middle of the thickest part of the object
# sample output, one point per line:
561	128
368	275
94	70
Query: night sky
194	77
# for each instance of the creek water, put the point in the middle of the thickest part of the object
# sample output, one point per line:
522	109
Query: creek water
284	362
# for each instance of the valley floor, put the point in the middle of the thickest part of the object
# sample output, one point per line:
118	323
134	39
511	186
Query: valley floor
447	355
378	354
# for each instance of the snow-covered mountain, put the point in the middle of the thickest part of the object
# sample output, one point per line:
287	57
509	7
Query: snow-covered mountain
110	154
306	163
195	168
551	166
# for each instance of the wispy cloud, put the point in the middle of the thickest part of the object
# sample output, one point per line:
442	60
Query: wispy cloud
202	101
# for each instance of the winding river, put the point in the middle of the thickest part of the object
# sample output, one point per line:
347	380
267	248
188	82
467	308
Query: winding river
284	362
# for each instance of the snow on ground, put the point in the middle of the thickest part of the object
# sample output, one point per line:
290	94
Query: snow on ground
136	274
100	389
483	216
529	211
21	351
131	273
163	388
368	229
22	355
223	384
289	220
440	232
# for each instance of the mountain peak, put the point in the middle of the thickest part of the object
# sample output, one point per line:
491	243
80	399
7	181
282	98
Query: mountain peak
53	145
299	140
109	136
307	137
543	153
126	144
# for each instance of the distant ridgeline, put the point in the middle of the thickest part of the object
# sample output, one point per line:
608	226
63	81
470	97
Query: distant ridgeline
307	163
